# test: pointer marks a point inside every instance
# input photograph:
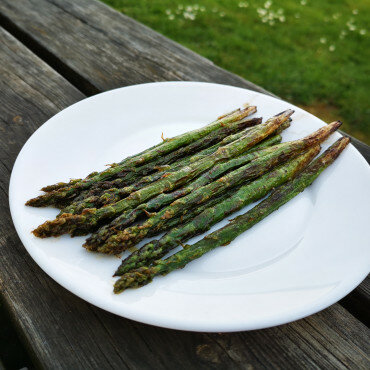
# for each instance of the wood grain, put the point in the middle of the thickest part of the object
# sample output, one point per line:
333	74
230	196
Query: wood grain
97	49
108	49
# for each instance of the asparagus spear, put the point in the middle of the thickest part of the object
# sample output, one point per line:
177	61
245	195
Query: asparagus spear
189	150
111	191
91	218
167	146
228	140
61	185
163	163
271	140
102	187
115	194
132	235
191	213
247	194
128	217
186	216
225	235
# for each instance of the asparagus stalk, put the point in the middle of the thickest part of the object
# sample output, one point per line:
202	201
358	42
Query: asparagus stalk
167	146
114	192
61	185
113	195
183	218
247	194
91	218
269	141
128	217
102	187
189	150
225	235
68	205
191	213
280	153
228	140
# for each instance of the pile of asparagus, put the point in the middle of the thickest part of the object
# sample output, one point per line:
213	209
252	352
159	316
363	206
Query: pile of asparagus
182	187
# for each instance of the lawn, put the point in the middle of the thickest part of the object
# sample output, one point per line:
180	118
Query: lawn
313	53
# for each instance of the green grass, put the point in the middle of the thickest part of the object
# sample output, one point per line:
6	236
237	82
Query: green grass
302	57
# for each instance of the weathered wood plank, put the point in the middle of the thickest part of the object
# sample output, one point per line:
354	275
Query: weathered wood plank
98	49
108	49
62	331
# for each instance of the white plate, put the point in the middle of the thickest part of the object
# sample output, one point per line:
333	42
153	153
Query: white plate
299	260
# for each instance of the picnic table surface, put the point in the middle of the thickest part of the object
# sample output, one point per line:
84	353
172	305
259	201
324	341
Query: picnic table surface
53	54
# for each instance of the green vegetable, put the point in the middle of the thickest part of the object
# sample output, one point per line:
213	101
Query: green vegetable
278	154
127	218
251	192
91	218
225	235
114	194
167	146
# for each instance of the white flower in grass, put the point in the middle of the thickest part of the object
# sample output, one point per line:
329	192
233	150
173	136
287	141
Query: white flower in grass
336	15
168	11
351	27
331	48
343	34
355	11
323	40
267	4
189	8
243	4
271	16
303	2
202	9
171	17
362	32
222	14
188	15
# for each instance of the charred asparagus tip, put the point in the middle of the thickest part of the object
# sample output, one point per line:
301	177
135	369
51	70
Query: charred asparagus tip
61	225
285	113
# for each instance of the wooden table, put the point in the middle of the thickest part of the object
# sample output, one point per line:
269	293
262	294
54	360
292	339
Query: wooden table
53	54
